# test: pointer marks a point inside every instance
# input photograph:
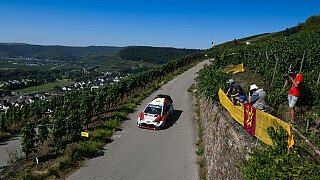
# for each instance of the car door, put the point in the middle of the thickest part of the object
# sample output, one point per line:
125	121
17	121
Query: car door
165	111
169	108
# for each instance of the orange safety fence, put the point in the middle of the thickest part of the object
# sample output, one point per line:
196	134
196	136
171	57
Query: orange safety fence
262	120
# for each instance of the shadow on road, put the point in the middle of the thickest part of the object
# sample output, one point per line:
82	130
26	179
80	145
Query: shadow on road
100	153
175	117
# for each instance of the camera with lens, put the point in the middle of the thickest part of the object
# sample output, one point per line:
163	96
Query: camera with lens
288	75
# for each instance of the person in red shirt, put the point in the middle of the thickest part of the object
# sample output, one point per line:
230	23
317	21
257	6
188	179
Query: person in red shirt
296	81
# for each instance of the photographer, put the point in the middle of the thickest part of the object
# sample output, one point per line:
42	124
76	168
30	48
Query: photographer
296	81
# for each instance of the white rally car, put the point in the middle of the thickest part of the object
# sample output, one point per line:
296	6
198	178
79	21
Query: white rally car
157	114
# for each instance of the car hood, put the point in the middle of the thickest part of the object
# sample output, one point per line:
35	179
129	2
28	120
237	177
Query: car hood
149	117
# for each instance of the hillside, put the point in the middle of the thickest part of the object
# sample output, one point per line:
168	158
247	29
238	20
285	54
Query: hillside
156	55
43	64
266	59
15	50
311	24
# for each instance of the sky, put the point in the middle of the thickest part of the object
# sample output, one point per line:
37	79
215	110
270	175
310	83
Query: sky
164	23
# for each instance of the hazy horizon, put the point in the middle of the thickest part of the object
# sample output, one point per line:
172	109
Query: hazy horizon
178	24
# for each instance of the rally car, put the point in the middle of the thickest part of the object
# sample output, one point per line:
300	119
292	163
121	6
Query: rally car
157	114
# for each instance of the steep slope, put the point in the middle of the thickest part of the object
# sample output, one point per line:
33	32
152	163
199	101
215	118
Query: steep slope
266	61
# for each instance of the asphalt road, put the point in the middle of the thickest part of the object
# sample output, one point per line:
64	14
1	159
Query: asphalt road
12	146
139	154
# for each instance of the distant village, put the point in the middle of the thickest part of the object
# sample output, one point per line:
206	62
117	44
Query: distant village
37	62
15	99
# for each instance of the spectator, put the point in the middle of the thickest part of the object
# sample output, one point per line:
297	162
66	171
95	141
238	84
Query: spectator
234	91
243	99
296	81
258	98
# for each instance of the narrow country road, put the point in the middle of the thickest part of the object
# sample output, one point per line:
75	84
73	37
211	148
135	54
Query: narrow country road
139	154
12	146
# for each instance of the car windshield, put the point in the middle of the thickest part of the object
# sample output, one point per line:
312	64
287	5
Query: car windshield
153	109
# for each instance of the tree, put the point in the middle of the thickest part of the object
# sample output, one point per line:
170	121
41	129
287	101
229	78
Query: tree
25	113
73	125
28	139
58	131
85	116
43	132
98	104
3	123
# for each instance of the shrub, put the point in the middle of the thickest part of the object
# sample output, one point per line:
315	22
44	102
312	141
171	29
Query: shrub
66	163
88	149
277	97
128	107
121	115
27	174
112	124
71	149
274	162
210	80
4	136
102	134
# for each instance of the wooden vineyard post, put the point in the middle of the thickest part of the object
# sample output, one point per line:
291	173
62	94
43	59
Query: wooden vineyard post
274	71
302	61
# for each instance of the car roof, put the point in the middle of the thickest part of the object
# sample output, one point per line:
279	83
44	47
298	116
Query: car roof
165	96
158	101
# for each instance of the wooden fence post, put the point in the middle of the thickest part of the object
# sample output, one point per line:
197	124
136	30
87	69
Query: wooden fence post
304	52
274	71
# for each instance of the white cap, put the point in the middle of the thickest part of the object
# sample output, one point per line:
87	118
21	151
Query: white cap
253	86
230	81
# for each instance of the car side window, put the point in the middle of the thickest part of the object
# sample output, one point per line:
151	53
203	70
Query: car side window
169	104
165	109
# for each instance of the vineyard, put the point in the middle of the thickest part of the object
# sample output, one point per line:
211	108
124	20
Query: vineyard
270	59
56	124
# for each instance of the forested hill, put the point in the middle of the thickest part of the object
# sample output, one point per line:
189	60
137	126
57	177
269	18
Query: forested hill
157	55
15	50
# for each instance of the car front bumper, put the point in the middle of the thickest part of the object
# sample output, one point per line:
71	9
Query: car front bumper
149	124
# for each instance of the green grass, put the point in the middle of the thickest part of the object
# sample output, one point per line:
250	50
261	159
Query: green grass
200	152
4	136
47	86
